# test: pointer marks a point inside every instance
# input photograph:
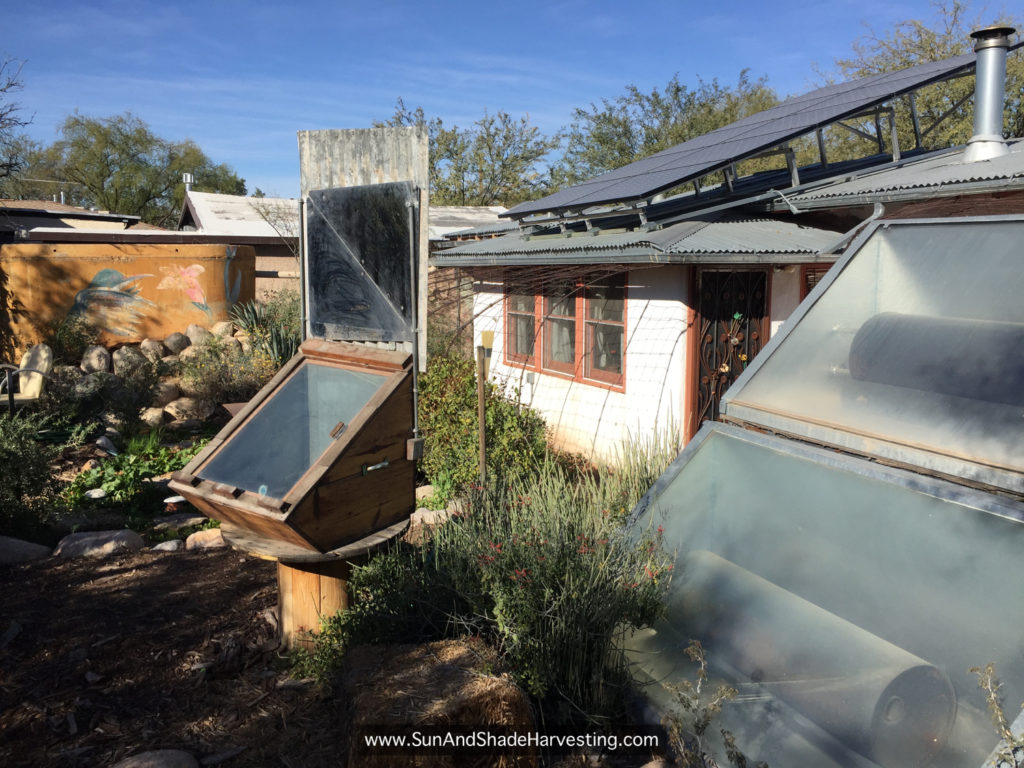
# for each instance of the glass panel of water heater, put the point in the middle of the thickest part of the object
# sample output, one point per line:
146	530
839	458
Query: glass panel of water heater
845	602
919	342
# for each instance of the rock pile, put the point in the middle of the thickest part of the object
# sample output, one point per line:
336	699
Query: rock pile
173	405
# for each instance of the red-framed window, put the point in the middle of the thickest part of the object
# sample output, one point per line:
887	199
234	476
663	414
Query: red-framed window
811	275
560	325
520	327
573	328
605	310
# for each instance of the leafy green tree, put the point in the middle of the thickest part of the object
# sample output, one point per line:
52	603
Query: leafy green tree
915	42
498	161
637	124
118	164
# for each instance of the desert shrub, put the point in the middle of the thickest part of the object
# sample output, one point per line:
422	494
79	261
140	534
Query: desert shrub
448	415
70	401
223	376
274	325
69	339
542	566
28	492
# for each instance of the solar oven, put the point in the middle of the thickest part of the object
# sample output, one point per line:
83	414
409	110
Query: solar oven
319	457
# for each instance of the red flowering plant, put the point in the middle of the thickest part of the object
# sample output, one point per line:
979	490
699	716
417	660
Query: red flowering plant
554	582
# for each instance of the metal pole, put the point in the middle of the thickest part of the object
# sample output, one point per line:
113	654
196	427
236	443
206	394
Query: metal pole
480	412
302	268
414	282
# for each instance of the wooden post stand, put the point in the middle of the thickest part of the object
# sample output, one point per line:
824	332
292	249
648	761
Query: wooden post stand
306	592
310	585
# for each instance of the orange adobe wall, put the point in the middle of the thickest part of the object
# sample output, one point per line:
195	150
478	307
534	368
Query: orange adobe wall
131	291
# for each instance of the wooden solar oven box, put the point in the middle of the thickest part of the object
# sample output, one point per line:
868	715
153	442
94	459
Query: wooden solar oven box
318	458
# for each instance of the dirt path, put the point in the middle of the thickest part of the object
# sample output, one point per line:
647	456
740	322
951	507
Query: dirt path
104	658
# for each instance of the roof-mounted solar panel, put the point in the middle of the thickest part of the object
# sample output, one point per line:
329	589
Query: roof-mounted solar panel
744	138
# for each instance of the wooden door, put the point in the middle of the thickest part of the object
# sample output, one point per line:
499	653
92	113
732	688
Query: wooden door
732	320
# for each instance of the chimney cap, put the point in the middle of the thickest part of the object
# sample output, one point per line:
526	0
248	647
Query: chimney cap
992	37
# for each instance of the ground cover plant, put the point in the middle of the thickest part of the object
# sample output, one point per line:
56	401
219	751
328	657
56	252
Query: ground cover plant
218	374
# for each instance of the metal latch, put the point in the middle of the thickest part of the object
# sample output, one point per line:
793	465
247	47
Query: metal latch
372	467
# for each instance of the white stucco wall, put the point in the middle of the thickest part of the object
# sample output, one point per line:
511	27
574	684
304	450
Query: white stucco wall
594	420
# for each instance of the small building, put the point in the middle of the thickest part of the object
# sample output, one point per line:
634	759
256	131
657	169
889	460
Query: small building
627	305
270	225
128	279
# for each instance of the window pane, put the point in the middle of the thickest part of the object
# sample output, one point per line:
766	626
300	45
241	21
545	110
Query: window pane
518	302
606	347
561	341
522	335
561	301
919	342
605	300
825	588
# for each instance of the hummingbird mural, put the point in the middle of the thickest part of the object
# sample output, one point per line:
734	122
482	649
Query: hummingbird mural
111	302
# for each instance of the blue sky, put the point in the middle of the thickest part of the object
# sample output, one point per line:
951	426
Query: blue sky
240	78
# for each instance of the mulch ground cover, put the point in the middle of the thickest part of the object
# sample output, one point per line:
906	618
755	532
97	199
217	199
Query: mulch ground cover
101	659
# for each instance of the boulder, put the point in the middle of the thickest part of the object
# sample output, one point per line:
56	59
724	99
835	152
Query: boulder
99	543
164	392
128	360
178	521
223	329
190	353
198	335
18	551
96	359
152	417
159	758
153	350
176	342
190	408
106	444
211	538
174	545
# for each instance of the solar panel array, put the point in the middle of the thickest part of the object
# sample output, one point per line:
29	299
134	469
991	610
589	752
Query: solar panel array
744	138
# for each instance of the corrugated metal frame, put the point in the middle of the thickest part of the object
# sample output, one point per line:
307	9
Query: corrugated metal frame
694	241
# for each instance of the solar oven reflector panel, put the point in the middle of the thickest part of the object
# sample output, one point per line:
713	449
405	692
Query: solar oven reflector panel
845	601
269	454
358	243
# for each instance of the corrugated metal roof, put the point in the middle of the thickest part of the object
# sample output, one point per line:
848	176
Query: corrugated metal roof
448	219
242	216
490	229
733	238
945	171
744	138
